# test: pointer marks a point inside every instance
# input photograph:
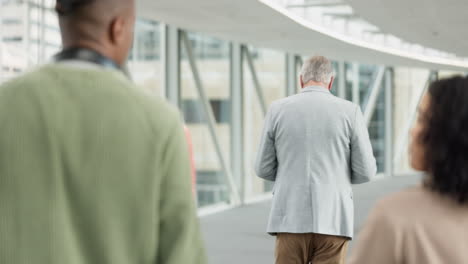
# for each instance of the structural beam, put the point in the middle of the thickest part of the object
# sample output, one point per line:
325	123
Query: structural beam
2	46
292	75
389	123
356	81
373	32
299	62
256	82
171	50
237	118
211	121
341	80
317	4
42	29
27	31
376	87
342	16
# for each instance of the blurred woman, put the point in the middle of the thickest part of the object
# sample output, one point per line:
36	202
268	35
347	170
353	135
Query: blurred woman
427	224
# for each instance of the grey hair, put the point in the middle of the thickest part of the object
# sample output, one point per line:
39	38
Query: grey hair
317	69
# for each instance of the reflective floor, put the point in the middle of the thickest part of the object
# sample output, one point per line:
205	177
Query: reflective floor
237	236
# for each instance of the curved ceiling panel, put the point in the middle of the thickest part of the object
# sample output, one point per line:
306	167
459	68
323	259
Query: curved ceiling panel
432	23
264	24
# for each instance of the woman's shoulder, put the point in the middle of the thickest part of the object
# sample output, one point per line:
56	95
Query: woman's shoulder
413	203
406	196
399	204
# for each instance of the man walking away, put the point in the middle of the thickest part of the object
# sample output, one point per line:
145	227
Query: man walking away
92	170
314	146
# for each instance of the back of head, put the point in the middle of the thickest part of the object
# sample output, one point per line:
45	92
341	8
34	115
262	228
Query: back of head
317	69
445	137
67	7
105	26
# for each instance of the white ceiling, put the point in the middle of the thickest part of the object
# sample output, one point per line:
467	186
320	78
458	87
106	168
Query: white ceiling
439	24
259	23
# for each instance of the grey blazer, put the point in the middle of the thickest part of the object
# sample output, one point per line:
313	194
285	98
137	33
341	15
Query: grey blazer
314	146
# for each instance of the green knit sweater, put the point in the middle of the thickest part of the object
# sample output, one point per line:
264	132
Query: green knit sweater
92	170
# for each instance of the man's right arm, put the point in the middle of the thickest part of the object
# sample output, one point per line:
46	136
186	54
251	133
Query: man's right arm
363	164
180	240
266	163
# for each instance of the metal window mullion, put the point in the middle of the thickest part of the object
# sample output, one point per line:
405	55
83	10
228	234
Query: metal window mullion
27	33
291	74
171	50
341	80
237	119
356	94
2	46
42	24
208	111
255	80
135	44
299	62
376	87
389	123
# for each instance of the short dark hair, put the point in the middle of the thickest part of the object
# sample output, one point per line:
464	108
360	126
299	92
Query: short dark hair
65	7
445	138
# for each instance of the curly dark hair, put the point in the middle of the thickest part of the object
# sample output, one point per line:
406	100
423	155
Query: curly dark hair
445	138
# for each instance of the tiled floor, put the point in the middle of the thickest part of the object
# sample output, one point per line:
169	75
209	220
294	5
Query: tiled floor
237	236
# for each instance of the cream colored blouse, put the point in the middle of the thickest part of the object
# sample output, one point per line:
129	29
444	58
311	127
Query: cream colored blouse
415	226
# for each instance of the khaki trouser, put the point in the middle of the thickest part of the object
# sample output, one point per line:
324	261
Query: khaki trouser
310	248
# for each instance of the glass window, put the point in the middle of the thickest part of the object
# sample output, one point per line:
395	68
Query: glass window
336	81
270	68
448	74
212	59
367	76
408	86
192	110
349	76
144	63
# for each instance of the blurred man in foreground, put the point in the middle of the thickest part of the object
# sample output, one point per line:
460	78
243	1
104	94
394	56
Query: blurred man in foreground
91	169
